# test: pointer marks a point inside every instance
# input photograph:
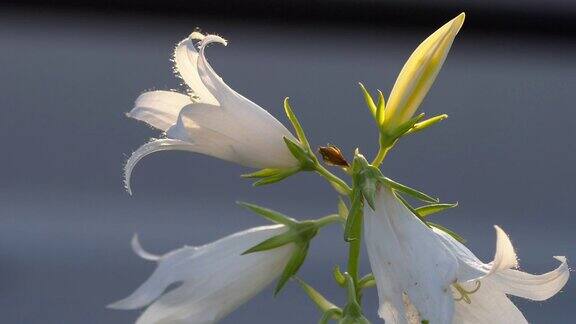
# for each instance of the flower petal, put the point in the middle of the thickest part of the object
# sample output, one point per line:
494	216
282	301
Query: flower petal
185	60
488	305
252	117
535	287
172	268
217	133
214	279
470	267
408	258
159	109
505	257
153	146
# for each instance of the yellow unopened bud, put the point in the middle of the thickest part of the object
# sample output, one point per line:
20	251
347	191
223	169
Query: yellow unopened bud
419	72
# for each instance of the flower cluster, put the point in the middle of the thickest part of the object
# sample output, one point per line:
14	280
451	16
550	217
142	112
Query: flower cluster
422	271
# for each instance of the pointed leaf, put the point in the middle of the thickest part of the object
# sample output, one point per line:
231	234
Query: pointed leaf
338	276
381	109
274	242
294	264
367	281
427	210
342	208
283	174
369	100
302	155
269	214
332	314
407	190
426	123
263	173
323	304
354	216
295	123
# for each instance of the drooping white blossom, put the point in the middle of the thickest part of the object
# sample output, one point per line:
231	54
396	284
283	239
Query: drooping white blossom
412	267
483	288
211	118
213	280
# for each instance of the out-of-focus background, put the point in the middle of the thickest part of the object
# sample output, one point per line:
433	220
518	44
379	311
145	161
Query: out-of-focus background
71	69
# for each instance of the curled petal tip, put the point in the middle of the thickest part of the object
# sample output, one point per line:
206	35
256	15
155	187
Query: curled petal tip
196	35
213	39
560	258
139	250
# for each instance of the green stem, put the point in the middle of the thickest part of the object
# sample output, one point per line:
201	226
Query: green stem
332	218
380	157
333	178
354	252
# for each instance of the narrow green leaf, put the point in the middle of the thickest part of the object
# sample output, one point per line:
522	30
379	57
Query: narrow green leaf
263	173
367	281
294	264
353	216
303	156
323	304
342	208
369	100
269	214
273	242
295	123
427	210
407	190
448	231
426	123
338	276
381	109
405	127
332	314
283	174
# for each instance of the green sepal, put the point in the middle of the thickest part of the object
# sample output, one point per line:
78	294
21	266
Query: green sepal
342	208
296	233
426	123
263	173
428	210
268	176
323	304
380	109
367	281
297	127
269	214
339	276
354	215
448	231
352	311
407	190
304	156
369	101
406	126
293	265
333	314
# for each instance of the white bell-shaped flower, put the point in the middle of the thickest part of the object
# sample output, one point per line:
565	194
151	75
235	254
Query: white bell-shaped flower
212	118
213	280
412	267
482	289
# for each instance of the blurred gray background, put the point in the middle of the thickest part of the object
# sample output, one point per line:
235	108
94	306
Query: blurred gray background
70	72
